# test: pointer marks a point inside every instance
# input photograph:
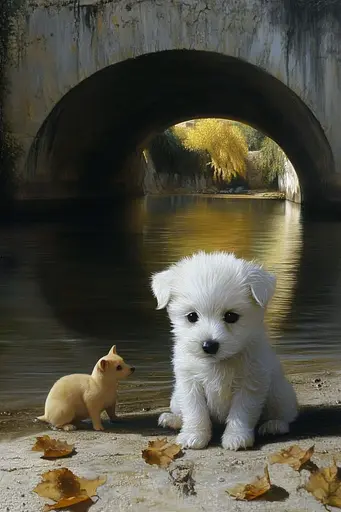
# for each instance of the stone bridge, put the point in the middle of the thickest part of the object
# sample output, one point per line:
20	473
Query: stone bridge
86	83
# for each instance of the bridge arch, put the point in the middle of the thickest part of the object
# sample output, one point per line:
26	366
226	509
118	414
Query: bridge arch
93	131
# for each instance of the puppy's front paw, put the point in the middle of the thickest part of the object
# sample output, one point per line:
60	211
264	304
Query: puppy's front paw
234	439
194	440
274	427
168	419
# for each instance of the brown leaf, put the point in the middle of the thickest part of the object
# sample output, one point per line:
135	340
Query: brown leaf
294	456
67	502
53	448
254	490
325	485
64	487
161	453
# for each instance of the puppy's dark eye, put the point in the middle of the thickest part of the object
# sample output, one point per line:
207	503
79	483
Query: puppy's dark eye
230	317
118	367
192	317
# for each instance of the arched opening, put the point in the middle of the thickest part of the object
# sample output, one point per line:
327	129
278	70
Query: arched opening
91	140
218	156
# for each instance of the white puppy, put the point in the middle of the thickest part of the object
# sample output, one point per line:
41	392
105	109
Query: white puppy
225	369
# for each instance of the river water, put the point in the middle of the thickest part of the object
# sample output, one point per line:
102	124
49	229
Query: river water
69	290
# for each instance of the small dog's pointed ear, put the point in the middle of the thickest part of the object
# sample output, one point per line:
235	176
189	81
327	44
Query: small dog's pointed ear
102	365
162	286
262	284
112	351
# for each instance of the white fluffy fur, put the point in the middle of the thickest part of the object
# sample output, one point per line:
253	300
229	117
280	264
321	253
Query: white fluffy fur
243	384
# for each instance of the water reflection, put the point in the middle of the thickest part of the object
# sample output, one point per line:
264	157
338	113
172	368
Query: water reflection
68	290
269	232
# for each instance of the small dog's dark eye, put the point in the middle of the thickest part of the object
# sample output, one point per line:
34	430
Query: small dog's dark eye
231	318
118	367
192	317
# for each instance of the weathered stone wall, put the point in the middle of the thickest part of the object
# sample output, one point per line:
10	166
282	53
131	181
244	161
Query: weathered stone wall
9	145
158	181
55	44
289	184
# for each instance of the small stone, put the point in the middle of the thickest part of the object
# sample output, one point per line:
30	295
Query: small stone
317	380
221	479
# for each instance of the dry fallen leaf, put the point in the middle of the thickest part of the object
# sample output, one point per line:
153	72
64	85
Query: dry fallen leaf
254	490
161	453
64	487
68	502
294	456
53	448
325	485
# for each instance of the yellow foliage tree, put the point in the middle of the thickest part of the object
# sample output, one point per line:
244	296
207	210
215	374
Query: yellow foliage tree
222	140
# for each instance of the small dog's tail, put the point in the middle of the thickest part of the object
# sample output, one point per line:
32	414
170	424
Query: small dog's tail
42	418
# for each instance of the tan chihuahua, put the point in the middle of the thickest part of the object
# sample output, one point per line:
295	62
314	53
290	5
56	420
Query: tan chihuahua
79	396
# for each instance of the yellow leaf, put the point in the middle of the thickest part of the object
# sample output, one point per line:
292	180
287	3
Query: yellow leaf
293	456
161	453
68	502
66	488
254	490
52	448
325	485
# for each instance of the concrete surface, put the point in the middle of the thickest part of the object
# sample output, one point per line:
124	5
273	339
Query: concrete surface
134	485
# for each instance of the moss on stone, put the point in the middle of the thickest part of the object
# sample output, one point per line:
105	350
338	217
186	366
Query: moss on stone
9	149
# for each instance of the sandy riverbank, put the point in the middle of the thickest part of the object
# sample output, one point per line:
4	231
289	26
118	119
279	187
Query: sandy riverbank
133	485
250	194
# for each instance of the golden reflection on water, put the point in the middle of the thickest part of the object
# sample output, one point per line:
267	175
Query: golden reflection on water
224	224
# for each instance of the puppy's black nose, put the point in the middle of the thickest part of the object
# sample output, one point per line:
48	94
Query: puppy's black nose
132	368
210	347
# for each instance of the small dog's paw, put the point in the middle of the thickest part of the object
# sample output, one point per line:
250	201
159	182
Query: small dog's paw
99	428
69	428
238	439
168	419
193	440
274	427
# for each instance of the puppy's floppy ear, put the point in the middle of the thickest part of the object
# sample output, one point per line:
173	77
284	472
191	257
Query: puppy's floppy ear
262	284
162	287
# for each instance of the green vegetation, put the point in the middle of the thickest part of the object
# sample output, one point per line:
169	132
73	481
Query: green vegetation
253	137
169	154
217	148
271	161
271	157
